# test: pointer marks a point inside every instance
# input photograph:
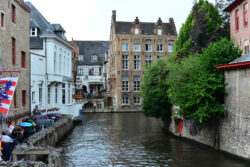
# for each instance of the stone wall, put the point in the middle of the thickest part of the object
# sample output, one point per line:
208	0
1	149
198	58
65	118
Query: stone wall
231	134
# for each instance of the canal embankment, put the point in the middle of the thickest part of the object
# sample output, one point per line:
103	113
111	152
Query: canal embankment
230	134
39	149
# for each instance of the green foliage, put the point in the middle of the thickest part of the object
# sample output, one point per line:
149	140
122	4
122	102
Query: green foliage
201	28
154	90
196	85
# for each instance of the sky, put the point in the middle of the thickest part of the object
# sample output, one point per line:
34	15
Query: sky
91	19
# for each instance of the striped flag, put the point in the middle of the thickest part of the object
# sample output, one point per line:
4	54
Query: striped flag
7	89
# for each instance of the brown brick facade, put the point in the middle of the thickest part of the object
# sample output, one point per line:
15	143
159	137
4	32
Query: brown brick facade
20	32
147	34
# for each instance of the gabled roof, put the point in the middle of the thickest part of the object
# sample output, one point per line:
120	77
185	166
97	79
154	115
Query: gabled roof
23	5
45	28
232	5
146	28
243	61
90	48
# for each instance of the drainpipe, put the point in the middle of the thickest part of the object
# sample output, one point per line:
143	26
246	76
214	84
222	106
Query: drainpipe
46	77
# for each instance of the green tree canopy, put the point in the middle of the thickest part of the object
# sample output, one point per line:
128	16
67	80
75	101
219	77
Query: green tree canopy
196	85
154	90
201	28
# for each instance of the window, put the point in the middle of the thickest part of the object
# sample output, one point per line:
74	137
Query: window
91	71
125	62
137	100
60	61
33	97
125	86
137	81
148	47
99	106
2	20
23	57
40	94
48	94
55	60
245	18
170	48
13	51
136	31
246	49
80	57
159	48
63	93
137	62
159	31
125	100
13	14
80	70
100	70
56	94
33	32
23	98
148	61
94	58
125	47
237	20
69	95
137	47
15	104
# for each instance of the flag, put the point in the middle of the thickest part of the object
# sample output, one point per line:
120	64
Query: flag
7	89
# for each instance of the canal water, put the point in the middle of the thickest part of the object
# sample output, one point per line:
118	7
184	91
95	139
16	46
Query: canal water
131	139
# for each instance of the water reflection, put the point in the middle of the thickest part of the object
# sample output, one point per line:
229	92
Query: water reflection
131	139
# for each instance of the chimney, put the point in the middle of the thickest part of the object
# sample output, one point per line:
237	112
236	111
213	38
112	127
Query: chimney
171	22
113	15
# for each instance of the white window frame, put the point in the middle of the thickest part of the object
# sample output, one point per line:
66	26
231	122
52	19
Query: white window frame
159	47
137	62
137	47
125	84
124	47
125	100
148	60
137	100
125	62
170	48
33	30
1	12
148	47
137	81
80	58
94	58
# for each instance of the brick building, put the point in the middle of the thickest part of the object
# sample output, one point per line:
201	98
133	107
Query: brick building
14	42
133	46
239	26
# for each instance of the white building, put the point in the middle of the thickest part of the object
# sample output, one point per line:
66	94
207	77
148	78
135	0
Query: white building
91	71
51	66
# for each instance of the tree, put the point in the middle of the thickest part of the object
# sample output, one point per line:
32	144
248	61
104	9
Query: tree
201	28
197	86
154	90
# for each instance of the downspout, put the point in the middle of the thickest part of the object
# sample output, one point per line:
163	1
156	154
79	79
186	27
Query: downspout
46	77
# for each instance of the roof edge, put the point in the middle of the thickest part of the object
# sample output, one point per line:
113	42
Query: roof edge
231	6
235	65
23	5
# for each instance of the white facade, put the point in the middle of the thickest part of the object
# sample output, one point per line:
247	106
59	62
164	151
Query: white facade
51	77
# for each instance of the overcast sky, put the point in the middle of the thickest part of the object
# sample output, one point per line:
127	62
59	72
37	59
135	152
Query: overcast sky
91	19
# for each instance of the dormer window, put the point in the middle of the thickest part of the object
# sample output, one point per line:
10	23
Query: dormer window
94	58
33	32
80	57
159	31
136	31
